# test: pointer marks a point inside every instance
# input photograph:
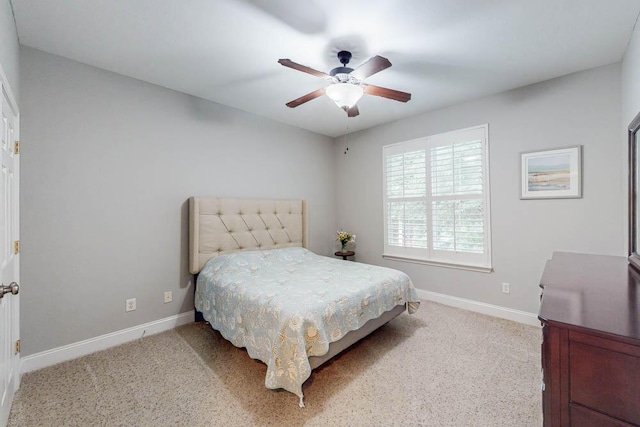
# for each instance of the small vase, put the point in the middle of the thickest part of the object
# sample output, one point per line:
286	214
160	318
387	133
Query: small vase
344	247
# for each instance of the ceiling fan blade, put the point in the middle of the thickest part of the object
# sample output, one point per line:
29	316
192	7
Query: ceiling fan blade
305	98
353	111
372	66
396	95
289	63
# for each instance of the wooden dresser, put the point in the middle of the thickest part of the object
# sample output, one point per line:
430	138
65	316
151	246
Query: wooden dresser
590	312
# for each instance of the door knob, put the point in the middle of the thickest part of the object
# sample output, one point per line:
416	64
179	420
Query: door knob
13	289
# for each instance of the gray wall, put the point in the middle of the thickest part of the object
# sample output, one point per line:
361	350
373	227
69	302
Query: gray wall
582	108
630	105
631	79
9	54
9	48
108	163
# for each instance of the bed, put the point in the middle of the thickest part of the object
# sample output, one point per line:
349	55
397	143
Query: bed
262	289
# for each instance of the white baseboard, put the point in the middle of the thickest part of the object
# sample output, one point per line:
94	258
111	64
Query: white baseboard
82	348
91	345
481	307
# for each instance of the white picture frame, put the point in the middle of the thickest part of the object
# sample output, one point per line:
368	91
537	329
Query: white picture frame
551	174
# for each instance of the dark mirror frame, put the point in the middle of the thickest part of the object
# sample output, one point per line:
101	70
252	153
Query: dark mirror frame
634	169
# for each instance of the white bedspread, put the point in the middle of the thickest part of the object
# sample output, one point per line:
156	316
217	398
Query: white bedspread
285	305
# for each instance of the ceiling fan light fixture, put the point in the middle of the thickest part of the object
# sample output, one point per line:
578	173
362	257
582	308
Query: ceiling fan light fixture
345	95
347	85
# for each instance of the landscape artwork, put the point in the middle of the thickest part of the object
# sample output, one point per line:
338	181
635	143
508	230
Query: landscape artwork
551	174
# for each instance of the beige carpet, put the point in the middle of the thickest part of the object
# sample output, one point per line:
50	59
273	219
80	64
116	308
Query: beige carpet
440	367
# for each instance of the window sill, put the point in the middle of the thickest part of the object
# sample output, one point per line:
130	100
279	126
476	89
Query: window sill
470	267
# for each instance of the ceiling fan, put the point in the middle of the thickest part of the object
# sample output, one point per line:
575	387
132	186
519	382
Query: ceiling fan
347	85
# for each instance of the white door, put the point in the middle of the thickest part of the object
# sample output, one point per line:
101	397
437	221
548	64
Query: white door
9	259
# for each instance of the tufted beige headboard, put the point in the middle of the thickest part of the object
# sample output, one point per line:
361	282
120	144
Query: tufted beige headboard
218	226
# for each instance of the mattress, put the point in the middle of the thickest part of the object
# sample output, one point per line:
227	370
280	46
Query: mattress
285	305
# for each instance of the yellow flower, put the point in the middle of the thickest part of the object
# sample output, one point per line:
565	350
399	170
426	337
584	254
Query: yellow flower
345	237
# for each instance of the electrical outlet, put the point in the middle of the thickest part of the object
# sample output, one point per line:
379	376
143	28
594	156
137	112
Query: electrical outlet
506	288
130	304
168	297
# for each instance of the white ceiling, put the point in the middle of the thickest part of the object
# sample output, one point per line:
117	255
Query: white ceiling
442	51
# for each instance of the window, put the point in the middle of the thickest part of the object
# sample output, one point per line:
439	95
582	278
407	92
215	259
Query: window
436	200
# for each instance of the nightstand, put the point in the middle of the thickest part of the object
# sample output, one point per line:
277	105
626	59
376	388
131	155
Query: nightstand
344	255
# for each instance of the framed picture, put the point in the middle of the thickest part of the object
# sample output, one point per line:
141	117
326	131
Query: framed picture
551	174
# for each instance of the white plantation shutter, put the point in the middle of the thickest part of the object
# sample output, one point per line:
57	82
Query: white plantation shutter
436	199
457	181
407	203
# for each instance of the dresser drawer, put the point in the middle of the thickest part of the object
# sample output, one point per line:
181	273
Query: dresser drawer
605	380
583	417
